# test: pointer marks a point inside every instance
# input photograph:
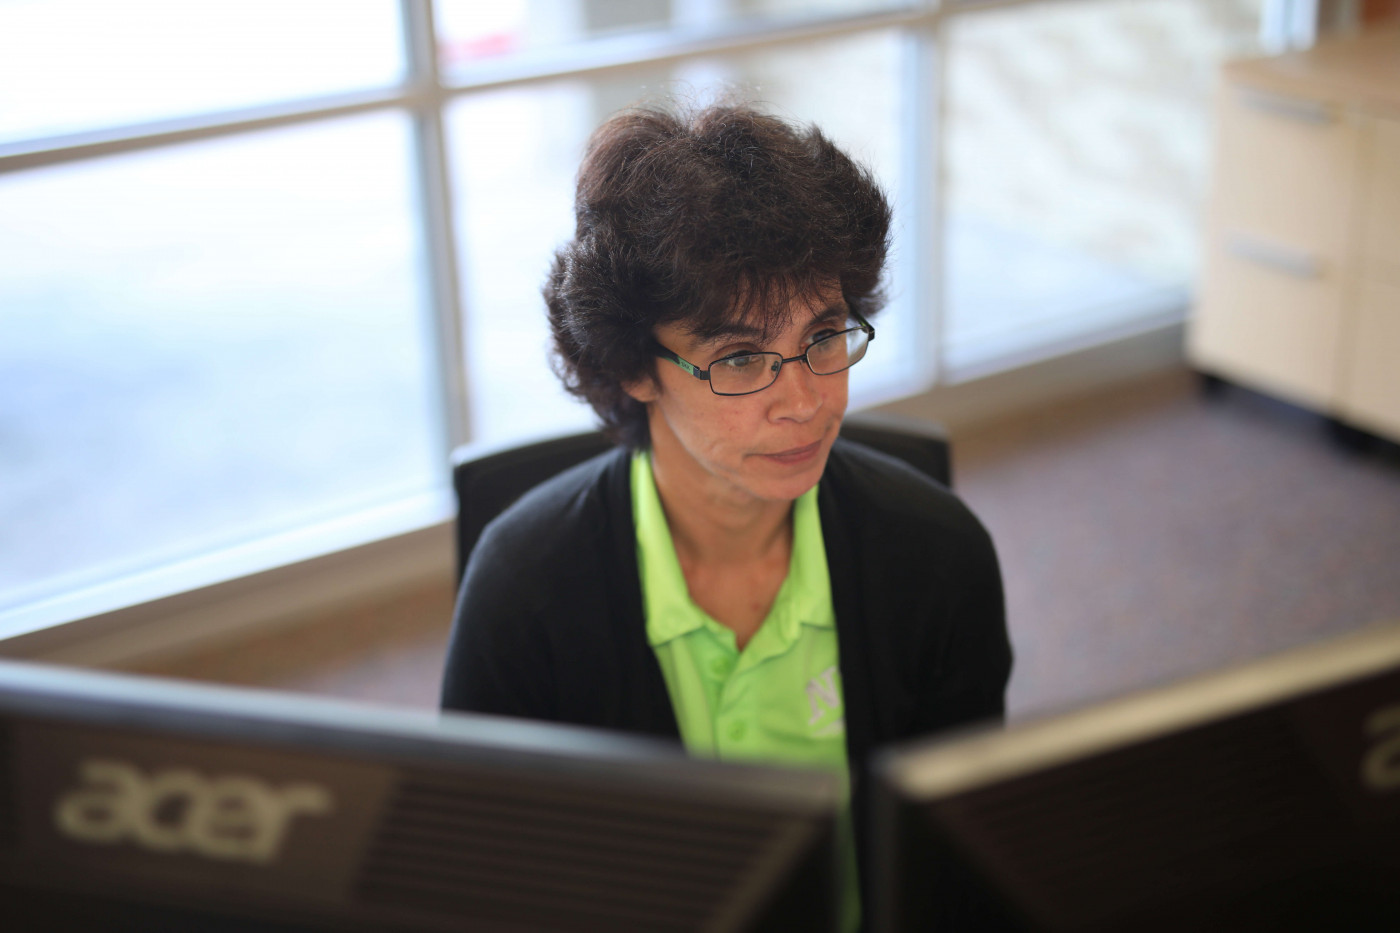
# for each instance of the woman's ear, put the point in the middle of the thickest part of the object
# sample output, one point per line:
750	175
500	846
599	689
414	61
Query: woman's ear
644	389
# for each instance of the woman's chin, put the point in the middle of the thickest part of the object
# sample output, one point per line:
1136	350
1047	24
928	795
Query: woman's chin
787	481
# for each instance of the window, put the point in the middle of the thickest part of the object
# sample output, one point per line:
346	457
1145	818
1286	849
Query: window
266	263
1076	146
193	365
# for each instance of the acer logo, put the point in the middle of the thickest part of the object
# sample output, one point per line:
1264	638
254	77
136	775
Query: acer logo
230	818
1380	769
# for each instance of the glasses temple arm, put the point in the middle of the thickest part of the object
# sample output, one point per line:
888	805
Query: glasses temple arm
865	325
702	374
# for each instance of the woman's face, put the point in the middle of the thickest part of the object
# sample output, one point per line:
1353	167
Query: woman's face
771	445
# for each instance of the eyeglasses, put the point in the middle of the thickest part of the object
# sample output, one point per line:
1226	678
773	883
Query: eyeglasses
747	373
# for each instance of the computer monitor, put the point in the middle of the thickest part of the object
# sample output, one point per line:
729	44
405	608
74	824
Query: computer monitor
133	803
1263	797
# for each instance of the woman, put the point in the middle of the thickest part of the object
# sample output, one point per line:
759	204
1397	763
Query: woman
733	574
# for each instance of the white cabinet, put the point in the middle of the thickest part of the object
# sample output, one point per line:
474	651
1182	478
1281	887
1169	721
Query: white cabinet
1300	292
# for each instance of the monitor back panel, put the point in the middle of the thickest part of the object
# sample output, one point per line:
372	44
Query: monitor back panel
1280	817
265	827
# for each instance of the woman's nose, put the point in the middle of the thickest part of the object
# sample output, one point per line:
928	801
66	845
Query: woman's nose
797	394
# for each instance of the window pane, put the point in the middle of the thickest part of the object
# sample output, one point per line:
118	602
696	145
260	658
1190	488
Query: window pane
1076	145
207	344
471	33
515	153
85	65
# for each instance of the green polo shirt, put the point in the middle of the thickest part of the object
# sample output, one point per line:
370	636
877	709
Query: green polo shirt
779	700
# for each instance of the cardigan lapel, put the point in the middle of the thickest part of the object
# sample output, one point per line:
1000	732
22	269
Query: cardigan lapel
847	584
644	704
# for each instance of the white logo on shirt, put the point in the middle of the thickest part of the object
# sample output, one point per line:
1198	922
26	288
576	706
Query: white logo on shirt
822	698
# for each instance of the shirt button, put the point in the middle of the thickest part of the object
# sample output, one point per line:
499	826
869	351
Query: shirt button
719	667
737	730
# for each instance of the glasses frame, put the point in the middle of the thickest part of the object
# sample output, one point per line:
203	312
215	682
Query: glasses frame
704	374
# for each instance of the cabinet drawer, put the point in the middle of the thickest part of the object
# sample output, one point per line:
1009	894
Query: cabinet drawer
1269	328
1371	397
1380	202
1284	168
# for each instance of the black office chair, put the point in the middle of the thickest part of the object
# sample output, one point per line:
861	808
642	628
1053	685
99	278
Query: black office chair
488	479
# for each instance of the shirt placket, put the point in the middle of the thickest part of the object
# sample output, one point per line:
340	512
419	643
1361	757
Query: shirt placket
736	725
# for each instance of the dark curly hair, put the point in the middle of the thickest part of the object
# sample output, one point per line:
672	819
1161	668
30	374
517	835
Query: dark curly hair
705	216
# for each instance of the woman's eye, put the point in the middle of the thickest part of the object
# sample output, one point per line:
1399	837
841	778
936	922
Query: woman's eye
740	362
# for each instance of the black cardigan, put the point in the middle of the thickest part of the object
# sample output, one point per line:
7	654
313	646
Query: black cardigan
549	621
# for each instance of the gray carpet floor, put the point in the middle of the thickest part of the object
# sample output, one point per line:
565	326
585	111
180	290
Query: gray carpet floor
1153	533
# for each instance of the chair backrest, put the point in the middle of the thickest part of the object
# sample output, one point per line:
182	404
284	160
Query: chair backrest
488	480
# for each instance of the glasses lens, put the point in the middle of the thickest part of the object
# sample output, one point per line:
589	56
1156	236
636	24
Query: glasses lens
738	375
837	352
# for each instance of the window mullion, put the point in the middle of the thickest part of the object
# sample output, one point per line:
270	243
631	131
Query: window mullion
922	155
437	224
108	141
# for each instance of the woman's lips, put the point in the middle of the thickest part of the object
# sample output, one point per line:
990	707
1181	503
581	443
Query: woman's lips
796	454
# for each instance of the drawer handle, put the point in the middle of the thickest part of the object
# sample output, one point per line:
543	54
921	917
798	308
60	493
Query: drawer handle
1294	262
1305	111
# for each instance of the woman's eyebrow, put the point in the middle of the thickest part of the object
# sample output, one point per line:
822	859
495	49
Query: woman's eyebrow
739	330
733	330
833	312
